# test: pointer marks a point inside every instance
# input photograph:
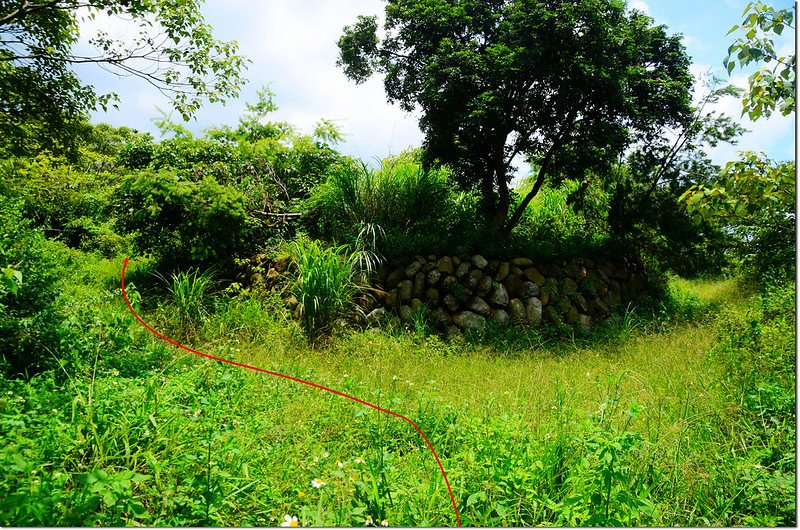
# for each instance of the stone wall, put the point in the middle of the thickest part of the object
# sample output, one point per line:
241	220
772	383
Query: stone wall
465	292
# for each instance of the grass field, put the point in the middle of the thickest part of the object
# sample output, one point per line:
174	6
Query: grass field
640	424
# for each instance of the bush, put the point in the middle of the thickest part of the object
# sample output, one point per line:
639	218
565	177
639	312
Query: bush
184	224
769	249
758	346
552	226
70	205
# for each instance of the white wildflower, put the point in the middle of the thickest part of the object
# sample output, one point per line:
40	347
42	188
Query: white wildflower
290	521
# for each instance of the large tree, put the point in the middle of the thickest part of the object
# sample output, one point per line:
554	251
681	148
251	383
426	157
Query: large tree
43	103
568	84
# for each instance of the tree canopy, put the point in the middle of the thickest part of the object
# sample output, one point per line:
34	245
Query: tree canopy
567	84
43	102
774	83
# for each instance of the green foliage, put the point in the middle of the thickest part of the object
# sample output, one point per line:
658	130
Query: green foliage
31	271
569	85
69	203
746	191
603	489
269	163
134	434
771	86
10	281
44	103
756	196
757	346
553	225
183	223
189	295
642	208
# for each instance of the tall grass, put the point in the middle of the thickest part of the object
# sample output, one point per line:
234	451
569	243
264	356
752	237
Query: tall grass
396	195
652	430
188	292
326	283
415	207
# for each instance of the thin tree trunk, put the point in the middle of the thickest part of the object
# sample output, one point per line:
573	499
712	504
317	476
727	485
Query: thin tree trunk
543	169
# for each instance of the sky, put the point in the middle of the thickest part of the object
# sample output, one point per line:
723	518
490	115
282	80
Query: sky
292	46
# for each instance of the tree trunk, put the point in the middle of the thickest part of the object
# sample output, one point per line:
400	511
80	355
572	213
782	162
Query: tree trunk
504	200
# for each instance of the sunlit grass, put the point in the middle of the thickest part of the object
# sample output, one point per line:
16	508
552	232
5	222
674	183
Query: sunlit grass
721	292
655	371
510	422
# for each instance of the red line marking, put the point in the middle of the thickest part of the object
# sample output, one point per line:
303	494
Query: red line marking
296	380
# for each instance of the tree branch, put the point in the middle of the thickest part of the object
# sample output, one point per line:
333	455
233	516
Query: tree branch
680	141
543	169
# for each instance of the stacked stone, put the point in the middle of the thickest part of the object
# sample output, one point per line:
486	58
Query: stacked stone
466	292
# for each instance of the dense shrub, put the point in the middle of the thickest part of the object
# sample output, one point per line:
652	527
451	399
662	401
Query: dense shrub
769	249
28	313
758	346
757	349
184	223
69	204
554	226
270	163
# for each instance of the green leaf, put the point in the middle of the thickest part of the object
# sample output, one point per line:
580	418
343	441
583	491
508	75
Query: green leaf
109	499
478	496
138	509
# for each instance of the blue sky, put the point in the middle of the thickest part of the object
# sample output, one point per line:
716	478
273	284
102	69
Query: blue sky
292	45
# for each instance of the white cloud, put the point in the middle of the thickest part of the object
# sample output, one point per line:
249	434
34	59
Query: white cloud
641	5
774	135
292	45
296	50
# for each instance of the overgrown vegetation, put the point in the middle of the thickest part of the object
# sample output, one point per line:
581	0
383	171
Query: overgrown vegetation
609	431
255	243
